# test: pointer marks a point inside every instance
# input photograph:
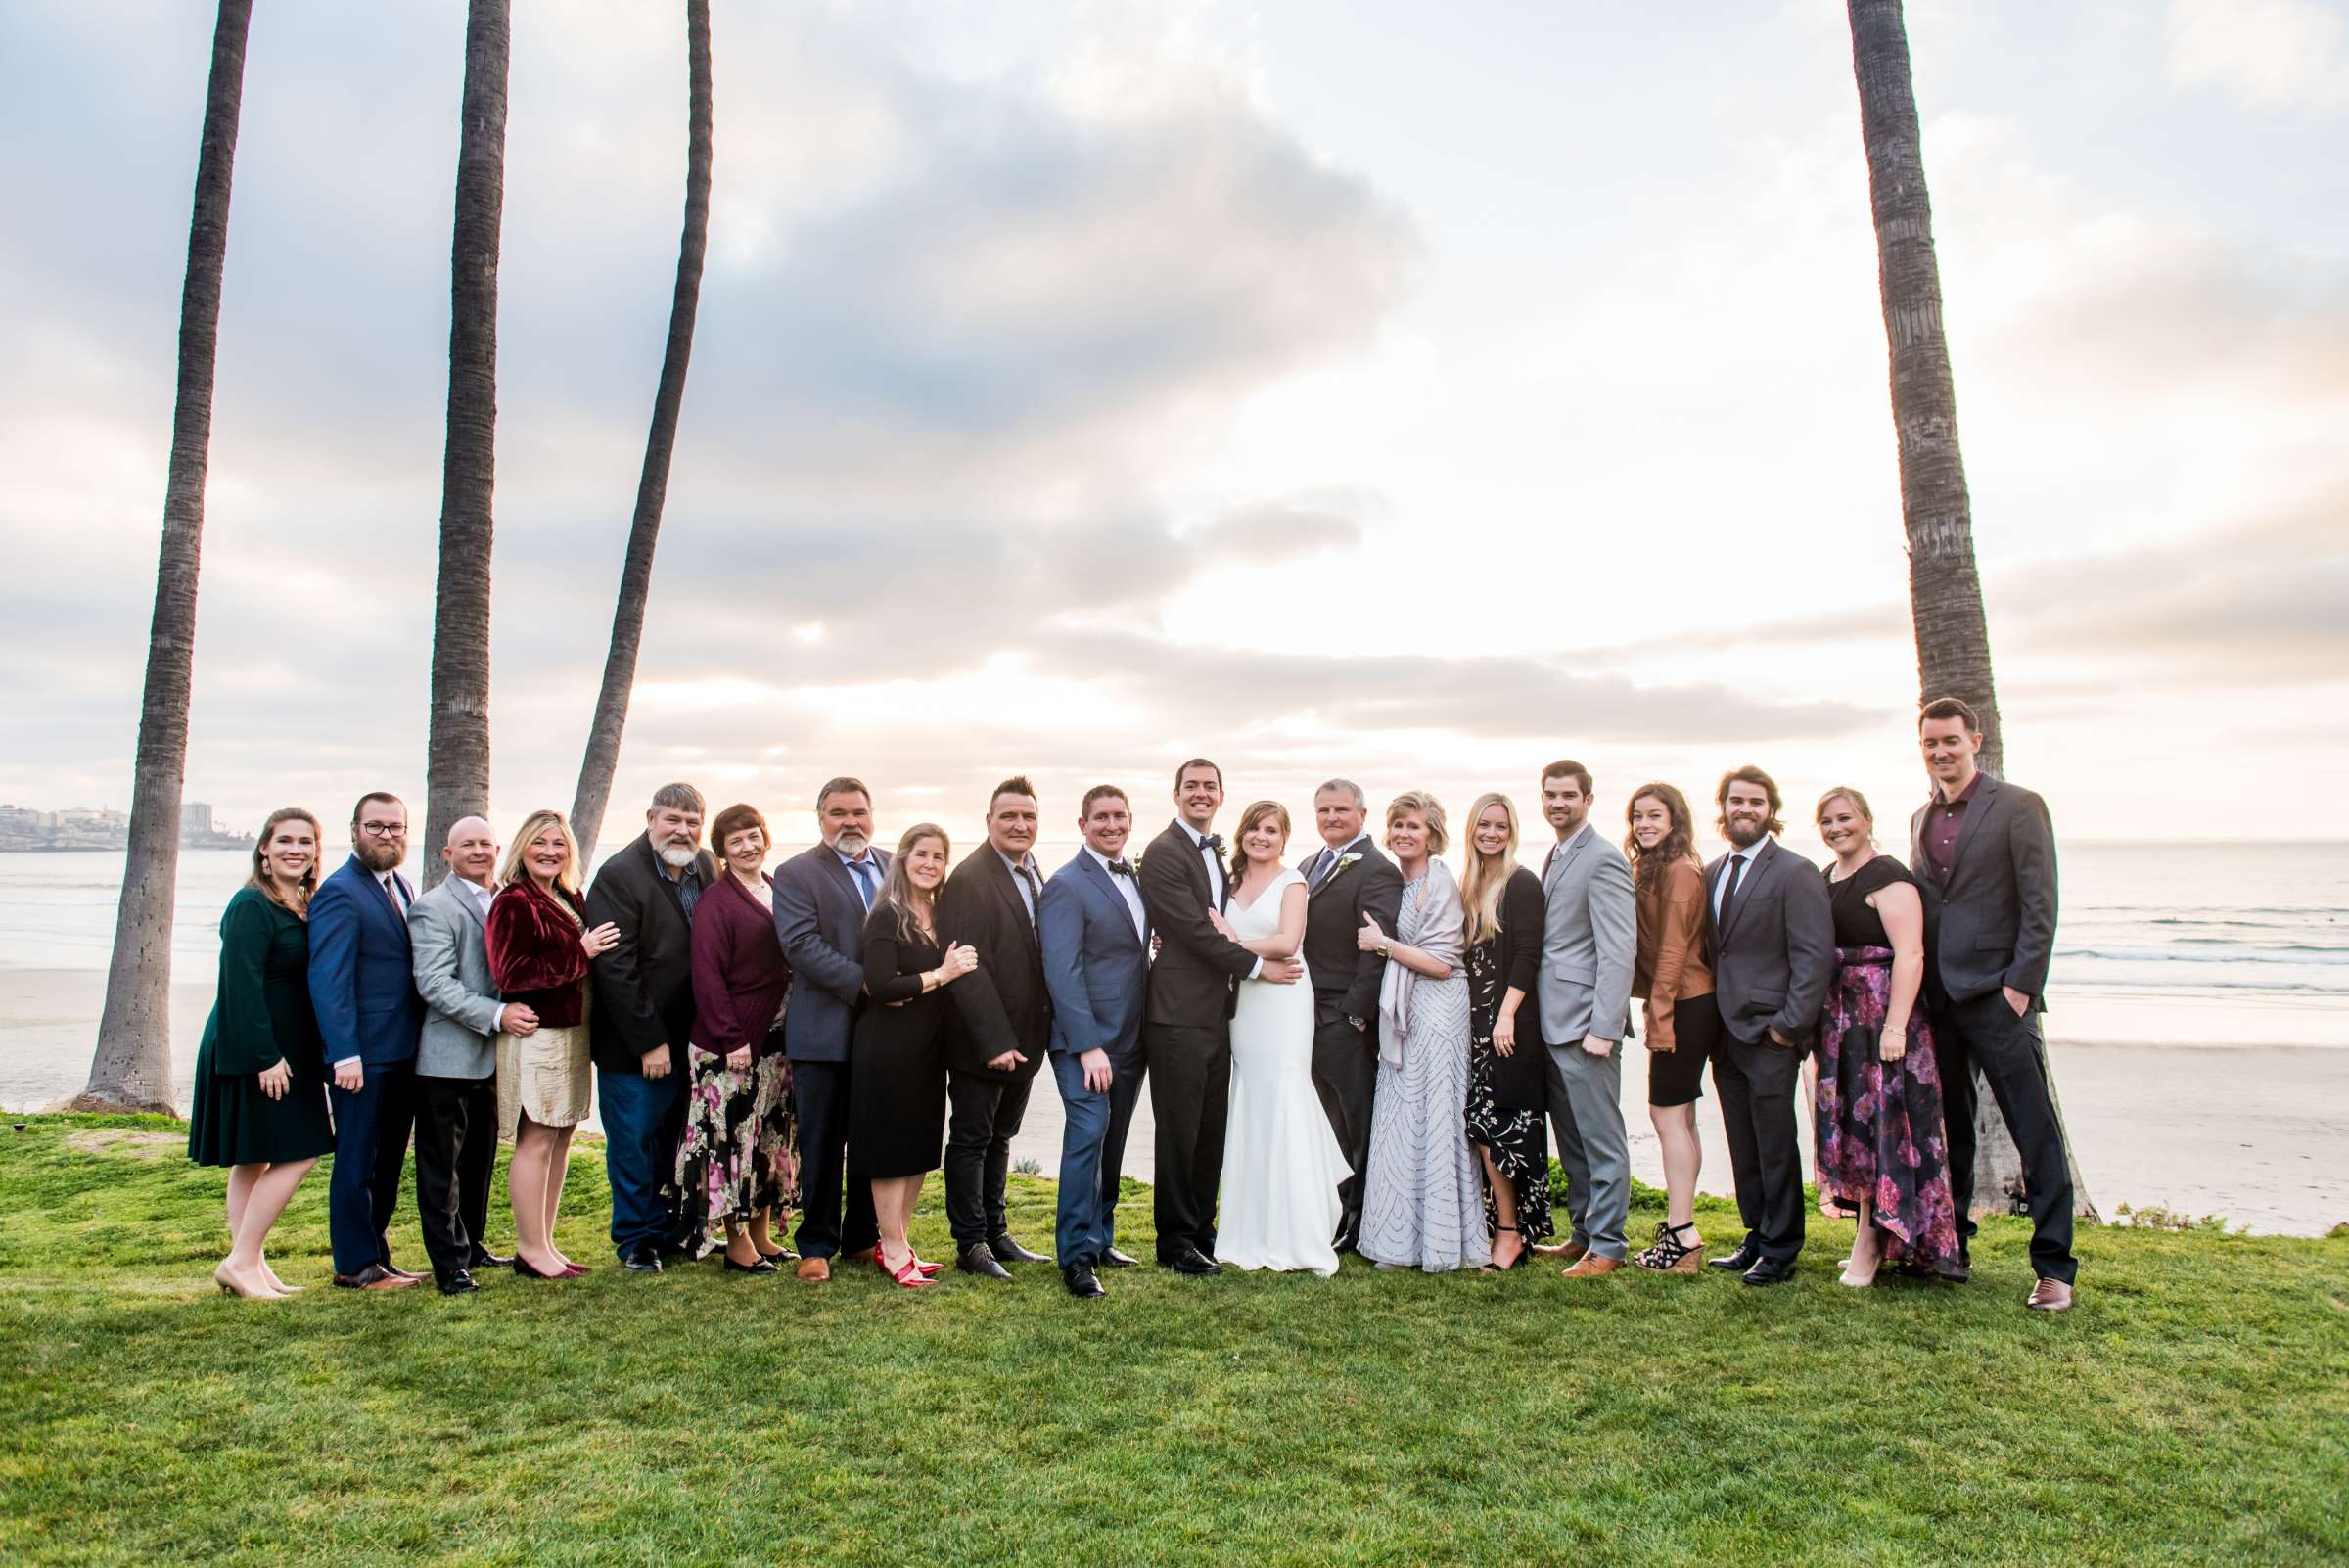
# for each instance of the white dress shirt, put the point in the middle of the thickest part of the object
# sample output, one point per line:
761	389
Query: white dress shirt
1214	861
1740	867
1128	888
1022	871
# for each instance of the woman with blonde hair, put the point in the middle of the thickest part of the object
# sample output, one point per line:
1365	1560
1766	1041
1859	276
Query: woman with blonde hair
1675	985
540	948
261	1071
897	1065
1422	1204
1507	1063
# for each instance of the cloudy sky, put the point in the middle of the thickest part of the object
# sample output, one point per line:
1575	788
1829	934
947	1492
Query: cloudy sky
1410	392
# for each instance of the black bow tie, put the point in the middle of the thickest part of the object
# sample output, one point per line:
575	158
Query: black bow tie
1213	841
1121	868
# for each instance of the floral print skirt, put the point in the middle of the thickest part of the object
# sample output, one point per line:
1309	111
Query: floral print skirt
738	1153
1880	1130
1518	1141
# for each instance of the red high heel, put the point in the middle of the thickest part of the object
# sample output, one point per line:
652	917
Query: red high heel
907	1273
927	1268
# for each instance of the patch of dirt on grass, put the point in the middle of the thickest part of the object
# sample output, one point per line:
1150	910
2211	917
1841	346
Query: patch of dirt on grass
138	1143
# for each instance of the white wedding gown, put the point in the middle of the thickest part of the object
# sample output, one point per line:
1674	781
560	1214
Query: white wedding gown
1282	1162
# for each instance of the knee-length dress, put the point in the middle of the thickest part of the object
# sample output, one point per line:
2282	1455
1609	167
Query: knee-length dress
897	1065
261	1017
1880	1132
1423	1204
1505	1093
738	1155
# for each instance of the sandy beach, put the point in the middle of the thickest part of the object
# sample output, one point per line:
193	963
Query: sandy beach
2254	1132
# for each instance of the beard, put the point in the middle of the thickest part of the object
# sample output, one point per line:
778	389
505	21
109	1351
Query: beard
1743	831
677	857
852	843
377	855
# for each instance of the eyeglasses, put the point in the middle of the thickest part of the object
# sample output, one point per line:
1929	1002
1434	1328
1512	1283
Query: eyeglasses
383	830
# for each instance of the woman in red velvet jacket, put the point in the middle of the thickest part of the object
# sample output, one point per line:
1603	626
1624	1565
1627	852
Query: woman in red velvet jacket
540	950
737	1162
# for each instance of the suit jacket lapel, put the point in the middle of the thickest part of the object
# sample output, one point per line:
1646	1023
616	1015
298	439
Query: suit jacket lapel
1196	866
1008	886
466	902
1764	854
1975	811
1107	886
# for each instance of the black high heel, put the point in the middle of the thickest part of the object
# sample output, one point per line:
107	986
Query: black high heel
764	1266
1519	1259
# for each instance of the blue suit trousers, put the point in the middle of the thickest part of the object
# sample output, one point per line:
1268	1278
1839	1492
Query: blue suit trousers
371	1145
1092	1153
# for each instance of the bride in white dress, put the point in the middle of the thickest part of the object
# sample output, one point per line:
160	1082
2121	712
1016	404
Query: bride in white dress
1282	1162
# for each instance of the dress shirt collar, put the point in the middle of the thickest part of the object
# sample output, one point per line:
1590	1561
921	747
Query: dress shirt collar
1963	796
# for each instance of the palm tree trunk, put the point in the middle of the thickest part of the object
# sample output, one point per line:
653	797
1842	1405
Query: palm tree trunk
457	764
131	1069
1945	587
651	485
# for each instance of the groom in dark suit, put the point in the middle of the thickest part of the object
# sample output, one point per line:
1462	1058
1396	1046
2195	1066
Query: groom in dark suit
991	902
1348	879
1186	1029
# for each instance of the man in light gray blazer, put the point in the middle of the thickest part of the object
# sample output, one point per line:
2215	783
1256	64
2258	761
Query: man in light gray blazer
1587	944
456	1057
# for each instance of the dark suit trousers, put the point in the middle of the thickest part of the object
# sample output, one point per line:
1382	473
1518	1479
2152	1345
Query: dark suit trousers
1092	1153
1755	1086
1986	1034
819	1099
456	1150
983	1117
1345	1075
371	1145
1190	1092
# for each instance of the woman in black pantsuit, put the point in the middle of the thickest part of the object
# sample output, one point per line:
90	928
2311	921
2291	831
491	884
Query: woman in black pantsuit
897	1084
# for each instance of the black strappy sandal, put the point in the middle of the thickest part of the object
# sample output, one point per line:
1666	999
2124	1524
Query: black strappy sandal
1671	1255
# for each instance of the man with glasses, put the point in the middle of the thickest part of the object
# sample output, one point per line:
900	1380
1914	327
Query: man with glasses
362	986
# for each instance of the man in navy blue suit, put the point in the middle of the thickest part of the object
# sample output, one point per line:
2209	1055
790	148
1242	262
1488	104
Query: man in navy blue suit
363	987
1096	948
821	899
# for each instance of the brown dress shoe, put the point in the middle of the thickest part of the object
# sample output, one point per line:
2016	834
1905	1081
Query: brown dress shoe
2050	1295
375	1276
814	1269
1568	1250
1591	1266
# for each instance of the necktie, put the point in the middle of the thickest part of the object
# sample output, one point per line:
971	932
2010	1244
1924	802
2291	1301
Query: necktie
1121	868
1034	893
1328	859
391	891
1728	890
862	870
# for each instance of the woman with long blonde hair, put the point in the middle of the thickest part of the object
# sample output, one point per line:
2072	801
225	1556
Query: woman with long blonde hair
1507	1062
540	948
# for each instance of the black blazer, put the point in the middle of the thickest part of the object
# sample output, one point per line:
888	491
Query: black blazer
1191	983
1519	1080
1003	1002
1995	924
1773	964
1346	979
644	982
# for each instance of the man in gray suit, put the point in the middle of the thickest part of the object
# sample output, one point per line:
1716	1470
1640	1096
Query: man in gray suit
1770	934
1588	944
457	1058
1984	855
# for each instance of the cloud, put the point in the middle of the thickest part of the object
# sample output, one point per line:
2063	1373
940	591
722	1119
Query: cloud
2266	54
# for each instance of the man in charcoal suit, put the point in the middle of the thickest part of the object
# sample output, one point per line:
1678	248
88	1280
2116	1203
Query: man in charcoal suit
1771	936
991	902
1984	855
1348	879
821	899
1186	1027
363	989
1095	933
456	1057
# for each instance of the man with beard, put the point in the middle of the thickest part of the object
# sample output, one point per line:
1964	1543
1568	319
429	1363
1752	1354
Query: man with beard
1589	938
1348	879
821	899
456	1059
1984	853
643	1017
1769	932
991	903
369	1015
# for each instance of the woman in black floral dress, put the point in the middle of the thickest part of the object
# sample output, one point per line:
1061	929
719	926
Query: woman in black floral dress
1506	1059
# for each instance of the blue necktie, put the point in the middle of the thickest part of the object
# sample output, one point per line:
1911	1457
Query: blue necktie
860	870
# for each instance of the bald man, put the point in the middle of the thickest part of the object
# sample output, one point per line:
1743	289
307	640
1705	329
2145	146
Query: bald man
457	1058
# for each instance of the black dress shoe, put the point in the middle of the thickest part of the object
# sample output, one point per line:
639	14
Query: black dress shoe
1111	1257
1344	1242
1736	1263
1191	1261
645	1260
1082	1281
484	1257
764	1266
1007	1250
976	1259
1769	1271
375	1276
460	1283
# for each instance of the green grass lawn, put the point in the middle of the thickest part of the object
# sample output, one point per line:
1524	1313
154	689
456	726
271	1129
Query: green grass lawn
2194	1407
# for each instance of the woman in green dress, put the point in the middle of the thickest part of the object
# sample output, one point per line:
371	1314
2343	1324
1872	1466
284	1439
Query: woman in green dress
260	1075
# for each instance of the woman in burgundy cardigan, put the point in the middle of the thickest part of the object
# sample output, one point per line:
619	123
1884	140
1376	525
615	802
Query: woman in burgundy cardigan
539	951
736	1162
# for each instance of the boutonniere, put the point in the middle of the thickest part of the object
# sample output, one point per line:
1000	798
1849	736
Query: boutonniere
1339	870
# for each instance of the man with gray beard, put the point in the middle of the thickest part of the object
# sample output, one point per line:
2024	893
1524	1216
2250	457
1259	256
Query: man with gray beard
643	1017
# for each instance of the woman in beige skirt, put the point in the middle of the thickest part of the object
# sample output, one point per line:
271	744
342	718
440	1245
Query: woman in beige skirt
539	951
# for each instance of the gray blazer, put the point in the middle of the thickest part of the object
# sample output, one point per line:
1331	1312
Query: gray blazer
1995	924
1773	964
461	1005
1589	940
